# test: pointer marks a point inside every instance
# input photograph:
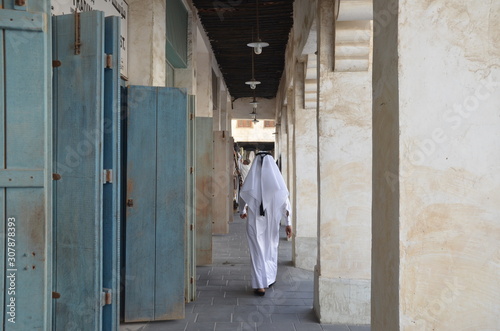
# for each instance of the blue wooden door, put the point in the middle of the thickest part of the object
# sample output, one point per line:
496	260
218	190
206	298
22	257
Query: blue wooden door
25	166
86	163
156	204
112	171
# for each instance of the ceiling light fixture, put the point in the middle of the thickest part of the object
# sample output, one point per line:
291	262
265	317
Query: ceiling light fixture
258	44
252	82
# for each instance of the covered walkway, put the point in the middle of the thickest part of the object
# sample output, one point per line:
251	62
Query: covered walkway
226	301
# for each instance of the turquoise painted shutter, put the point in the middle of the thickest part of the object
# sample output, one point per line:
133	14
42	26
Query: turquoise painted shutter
156	199
112	164
78	137
25	166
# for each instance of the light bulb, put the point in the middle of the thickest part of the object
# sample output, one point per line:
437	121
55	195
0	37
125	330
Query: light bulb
257	50
253	86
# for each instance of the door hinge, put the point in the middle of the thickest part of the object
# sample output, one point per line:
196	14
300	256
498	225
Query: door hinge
191	116
107	176
56	63
78	42
109	61
191	170
106	298
130	202
191	280
56	295
20	2
56	176
191	227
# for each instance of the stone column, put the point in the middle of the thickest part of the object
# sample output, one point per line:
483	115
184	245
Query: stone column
342	275
306	190
147	40
436	179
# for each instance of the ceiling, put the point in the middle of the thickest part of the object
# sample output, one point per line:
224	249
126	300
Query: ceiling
229	24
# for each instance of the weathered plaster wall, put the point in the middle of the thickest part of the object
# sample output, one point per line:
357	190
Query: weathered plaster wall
147	39
344	161
448	161
345	185
204	105
306	225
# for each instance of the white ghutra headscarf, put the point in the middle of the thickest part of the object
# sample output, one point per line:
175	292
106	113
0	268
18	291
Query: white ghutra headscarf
264	189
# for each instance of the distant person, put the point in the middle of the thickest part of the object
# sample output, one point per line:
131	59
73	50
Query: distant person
244	168
266	202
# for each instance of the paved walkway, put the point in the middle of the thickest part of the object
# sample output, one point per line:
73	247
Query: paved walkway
226	301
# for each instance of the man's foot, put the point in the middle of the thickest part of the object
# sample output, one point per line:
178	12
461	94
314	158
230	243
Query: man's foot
260	292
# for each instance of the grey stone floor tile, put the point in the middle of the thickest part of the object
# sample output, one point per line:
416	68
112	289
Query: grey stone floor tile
253	300
214	316
307	327
217	282
133	327
200	327
245	308
280	318
225	301
203	300
252	317
202	308
289	302
359	327
334	327
285	309
210	293
228	326
275	327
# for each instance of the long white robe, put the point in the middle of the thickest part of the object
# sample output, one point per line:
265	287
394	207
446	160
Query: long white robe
264	185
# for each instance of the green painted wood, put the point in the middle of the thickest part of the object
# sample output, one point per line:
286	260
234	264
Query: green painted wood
204	194
140	239
78	122
112	189
25	211
190	287
171	193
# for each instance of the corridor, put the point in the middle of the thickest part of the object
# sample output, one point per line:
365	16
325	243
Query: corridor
226	301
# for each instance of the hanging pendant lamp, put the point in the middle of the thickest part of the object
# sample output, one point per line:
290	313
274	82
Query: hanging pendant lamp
252	82
257	44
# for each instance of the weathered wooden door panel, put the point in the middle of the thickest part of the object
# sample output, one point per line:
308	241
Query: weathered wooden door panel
78	143
140	237
112	166
156	199
171	203
204	194
190	291
26	161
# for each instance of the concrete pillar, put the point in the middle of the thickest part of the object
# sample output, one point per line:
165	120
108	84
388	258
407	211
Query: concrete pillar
306	190
342	275
436	179
147	40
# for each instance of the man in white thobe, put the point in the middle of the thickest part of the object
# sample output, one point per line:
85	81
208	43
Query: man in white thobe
266	203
